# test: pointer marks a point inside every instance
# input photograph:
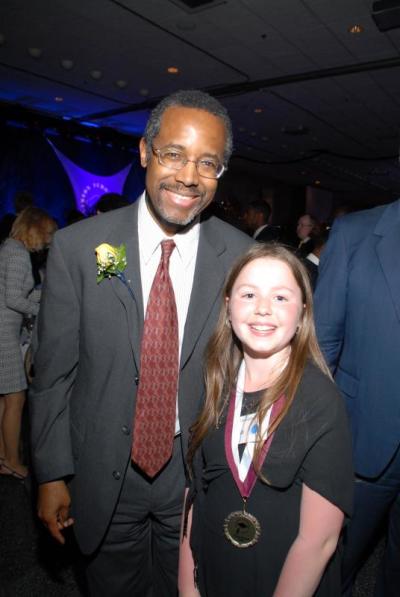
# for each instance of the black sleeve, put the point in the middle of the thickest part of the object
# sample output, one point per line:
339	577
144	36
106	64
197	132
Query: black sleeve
313	445
327	467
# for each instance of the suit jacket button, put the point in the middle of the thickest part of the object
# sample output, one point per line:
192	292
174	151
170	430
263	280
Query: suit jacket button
125	430
116	475
136	380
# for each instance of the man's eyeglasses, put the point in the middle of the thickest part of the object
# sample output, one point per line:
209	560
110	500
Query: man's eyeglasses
175	159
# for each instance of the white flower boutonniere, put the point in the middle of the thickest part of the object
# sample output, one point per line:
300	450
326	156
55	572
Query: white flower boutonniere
111	261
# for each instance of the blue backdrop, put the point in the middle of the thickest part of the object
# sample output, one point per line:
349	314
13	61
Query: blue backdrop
29	163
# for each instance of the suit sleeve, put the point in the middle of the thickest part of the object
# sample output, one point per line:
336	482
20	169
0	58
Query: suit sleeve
18	264
331	295
55	369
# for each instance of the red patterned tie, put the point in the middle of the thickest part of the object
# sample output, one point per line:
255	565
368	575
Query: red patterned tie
154	424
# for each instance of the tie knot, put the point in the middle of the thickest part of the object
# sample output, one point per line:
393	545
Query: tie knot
167	246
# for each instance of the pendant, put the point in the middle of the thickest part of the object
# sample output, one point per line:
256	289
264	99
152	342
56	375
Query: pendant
241	528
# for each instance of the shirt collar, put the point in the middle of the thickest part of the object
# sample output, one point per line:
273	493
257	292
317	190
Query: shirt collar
313	258
257	232
151	235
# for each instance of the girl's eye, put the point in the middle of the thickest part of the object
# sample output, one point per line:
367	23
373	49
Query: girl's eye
280	299
248	295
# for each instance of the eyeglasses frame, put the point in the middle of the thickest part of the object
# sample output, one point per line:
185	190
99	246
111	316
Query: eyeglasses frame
186	161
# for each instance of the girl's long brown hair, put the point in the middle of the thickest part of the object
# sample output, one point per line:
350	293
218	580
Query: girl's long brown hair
224	354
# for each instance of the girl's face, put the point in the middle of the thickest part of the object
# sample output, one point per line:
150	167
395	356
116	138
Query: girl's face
265	308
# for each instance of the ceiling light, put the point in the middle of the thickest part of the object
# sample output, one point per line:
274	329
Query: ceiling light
264	138
144	91
317	182
355	29
67	63
253	134
241	129
173	70
58	99
121	83
258	110
35	52
96	74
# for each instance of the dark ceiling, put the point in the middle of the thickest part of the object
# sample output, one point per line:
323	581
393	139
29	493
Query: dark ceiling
309	100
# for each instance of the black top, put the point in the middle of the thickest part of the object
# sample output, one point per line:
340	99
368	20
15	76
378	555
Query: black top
311	446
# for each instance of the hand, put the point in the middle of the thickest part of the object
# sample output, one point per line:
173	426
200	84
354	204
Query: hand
53	508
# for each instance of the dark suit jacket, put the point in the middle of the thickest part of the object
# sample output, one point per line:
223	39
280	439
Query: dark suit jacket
305	248
83	397
312	269
357	311
268	234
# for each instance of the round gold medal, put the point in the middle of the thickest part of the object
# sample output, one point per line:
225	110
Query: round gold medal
242	529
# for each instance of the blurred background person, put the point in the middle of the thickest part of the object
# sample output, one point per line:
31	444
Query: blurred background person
32	231
22	199
257	217
110	201
307	227
311	261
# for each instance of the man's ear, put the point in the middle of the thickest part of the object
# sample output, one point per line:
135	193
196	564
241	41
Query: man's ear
143	152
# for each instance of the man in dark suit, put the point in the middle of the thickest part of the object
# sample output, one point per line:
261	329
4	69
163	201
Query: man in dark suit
357	311
305	228
83	400
256	217
311	261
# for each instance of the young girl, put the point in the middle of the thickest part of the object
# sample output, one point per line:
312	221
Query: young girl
270	454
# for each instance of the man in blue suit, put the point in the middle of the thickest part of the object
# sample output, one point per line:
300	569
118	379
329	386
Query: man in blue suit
357	311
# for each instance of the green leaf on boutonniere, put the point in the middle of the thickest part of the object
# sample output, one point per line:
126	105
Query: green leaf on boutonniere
111	261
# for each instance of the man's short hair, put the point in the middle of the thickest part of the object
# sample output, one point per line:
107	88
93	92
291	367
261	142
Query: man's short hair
111	201
189	98
262	207
22	200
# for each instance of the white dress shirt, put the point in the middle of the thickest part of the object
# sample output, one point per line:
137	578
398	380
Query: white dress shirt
181	265
260	229
313	258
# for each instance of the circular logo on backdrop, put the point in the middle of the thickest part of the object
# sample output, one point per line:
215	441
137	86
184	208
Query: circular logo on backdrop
90	195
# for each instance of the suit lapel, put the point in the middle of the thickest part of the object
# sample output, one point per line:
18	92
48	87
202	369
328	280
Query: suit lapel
127	233
388	250
208	279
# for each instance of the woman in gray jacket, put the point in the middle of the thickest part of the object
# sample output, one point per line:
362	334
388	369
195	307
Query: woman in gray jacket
31	231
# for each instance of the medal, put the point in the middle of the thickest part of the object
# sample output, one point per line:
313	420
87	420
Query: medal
241	528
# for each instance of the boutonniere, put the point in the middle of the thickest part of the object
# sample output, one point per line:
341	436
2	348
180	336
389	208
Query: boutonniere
111	261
